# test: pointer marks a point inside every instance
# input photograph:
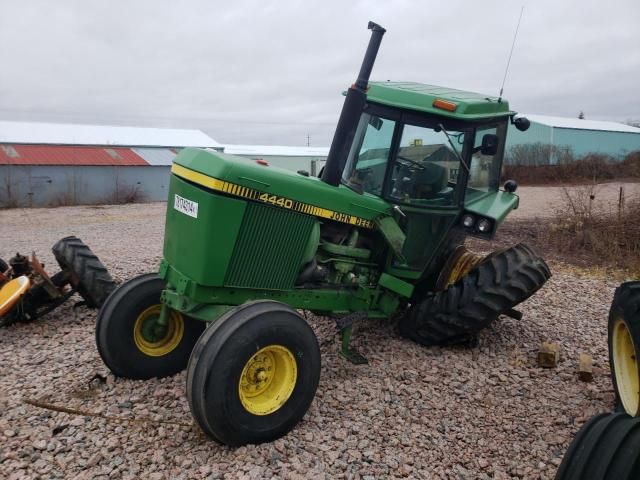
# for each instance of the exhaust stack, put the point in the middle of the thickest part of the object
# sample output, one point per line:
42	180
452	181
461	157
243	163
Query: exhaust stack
351	110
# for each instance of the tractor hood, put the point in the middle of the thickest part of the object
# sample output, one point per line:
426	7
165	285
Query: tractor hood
256	180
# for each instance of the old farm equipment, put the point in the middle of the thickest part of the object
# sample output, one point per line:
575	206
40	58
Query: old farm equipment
28	292
413	169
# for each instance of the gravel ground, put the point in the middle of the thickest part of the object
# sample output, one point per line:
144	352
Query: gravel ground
541	201
486	412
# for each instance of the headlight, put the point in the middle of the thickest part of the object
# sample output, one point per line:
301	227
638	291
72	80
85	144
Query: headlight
484	225
468	220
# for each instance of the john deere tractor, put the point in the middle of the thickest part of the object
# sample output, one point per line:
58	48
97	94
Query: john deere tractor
412	170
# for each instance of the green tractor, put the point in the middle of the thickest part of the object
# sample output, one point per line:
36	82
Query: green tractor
412	170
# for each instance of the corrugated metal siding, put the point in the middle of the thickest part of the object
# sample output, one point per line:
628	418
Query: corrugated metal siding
582	142
53	185
156	156
63	155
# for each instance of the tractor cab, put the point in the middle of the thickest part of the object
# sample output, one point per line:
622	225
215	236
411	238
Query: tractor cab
436	155
431	162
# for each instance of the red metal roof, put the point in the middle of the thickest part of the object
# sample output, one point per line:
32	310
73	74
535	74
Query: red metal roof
68	155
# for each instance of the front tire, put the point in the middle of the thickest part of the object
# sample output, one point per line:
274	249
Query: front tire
130	341
253	374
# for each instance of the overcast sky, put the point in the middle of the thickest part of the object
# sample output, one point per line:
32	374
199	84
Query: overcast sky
271	72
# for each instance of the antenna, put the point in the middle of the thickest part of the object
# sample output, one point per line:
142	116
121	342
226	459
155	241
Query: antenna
506	70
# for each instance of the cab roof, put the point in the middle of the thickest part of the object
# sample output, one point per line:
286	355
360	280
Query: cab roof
421	97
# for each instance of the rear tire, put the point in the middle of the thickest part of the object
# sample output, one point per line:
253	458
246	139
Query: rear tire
228	399
501	281
88	275
126	334
624	346
607	447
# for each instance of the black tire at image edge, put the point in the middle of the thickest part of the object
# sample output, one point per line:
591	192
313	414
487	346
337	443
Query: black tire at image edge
607	447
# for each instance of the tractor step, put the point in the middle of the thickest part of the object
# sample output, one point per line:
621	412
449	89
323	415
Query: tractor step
345	327
354	356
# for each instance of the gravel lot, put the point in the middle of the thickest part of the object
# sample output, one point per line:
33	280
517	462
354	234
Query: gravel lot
487	412
541	201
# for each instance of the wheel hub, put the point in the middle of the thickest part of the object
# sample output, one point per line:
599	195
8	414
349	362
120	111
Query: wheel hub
155	339
461	262
626	367
267	380
257	376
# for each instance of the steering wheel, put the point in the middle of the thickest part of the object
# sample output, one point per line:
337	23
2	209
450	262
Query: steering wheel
417	165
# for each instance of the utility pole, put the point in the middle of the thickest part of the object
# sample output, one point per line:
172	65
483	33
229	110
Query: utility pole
308	140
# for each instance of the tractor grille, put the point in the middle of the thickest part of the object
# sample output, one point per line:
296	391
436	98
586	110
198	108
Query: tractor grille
269	248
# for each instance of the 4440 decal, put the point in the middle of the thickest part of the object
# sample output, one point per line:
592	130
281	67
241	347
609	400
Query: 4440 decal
263	197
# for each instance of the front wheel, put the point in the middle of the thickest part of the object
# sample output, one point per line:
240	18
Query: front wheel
130	340
253	373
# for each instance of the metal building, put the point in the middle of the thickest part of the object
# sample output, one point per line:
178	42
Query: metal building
310	159
45	164
576	136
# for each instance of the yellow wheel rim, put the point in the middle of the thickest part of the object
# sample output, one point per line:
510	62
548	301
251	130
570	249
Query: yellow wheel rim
626	367
156	340
11	292
268	379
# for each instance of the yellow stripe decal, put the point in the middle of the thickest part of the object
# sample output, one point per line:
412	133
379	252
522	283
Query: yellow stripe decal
251	194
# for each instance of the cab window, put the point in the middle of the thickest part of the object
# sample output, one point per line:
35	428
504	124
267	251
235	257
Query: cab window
367	162
426	168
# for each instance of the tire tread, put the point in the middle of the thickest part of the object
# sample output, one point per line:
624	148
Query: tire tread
501	281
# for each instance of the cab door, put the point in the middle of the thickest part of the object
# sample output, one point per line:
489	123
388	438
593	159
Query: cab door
424	182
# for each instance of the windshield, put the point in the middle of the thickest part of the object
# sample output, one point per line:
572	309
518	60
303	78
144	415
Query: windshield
424	171
367	161
426	168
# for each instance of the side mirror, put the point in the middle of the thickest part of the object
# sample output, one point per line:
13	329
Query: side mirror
489	144
522	123
510	186
375	122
